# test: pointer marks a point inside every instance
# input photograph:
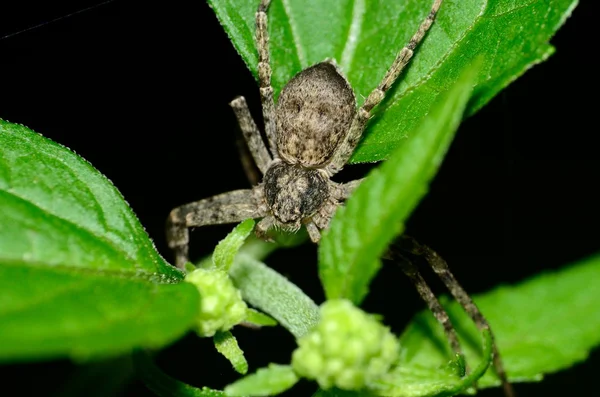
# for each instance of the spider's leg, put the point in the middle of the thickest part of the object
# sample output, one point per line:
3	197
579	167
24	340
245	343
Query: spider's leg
263	227
319	221
249	166
344	190
345	149
426	294
264	74
251	133
229	207
313	231
440	267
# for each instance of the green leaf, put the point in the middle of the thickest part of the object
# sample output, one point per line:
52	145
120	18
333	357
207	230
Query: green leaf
57	210
272	293
365	36
360	232
228	248
267	381
227	345
542	325
162	384
79	276
257	318
414	381
51	311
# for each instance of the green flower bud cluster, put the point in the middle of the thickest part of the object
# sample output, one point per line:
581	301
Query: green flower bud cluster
348	348
221	304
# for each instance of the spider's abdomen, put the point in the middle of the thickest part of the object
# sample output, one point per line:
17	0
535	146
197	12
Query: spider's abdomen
314	112
293	192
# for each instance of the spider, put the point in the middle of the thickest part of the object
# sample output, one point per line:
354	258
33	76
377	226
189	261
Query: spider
311	133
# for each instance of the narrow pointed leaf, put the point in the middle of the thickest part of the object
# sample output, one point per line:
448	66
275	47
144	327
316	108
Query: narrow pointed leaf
360	232
365	36
261	319
228	248
227	345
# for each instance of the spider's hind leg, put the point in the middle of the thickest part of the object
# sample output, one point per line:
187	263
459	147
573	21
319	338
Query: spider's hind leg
440	267
434	305
231	207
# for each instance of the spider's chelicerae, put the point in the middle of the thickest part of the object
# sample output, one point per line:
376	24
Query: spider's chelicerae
312	132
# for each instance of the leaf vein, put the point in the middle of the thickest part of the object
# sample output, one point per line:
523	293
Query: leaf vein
93	235
295	35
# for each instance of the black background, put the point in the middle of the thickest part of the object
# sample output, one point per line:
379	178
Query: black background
140	89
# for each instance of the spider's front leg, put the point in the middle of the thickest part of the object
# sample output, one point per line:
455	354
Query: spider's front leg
320	221
264	74
231	207
347	146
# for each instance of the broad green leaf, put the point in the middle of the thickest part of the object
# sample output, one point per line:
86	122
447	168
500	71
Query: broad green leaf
272	293
162	384
268	381
227	345
257	318
542	325
228	248
79	276
364	36
361	230
50	311
57	210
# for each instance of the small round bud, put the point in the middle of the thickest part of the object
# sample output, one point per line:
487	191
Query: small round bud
348	348
221	304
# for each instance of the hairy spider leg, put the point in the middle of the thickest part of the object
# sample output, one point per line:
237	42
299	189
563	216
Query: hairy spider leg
347	146
264	75
231	207
251	134
440	267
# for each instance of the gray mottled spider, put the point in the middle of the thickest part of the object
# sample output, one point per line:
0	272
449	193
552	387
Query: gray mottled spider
312	133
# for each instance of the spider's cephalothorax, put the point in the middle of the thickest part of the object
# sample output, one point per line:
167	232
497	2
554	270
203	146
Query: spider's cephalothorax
311	134
294	193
